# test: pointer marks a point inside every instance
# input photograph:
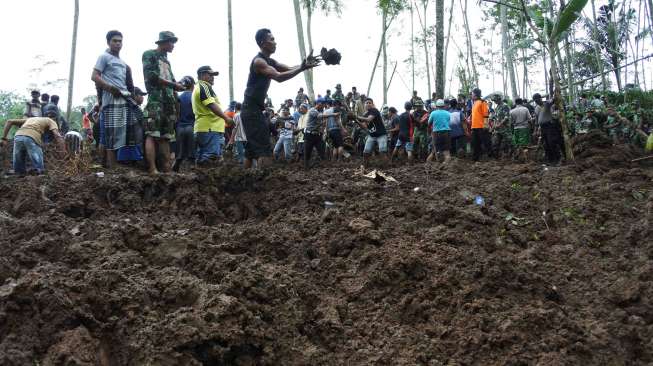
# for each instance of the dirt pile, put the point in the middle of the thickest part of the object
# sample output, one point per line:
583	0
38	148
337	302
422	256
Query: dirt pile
224	267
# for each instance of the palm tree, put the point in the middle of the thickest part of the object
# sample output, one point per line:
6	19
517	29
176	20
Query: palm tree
71	74
231	52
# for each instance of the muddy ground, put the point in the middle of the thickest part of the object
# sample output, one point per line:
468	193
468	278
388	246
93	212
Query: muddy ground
225	267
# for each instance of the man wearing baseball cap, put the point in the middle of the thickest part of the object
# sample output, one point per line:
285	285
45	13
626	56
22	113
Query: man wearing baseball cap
161	108
209	117
440	119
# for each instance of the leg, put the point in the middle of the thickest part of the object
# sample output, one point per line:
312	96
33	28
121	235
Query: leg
35	153
150	154
287	148
433	151
164	151
476	144
20	155
277	149
308	149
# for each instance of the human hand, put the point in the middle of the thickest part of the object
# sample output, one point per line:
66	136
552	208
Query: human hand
115	91
311	61
178	86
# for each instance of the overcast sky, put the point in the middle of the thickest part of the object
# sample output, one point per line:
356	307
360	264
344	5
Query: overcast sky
40	27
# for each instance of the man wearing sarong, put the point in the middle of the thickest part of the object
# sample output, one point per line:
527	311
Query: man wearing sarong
110	76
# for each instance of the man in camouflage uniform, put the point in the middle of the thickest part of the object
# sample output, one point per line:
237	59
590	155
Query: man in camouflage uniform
502	131
421	135
338	94
161	109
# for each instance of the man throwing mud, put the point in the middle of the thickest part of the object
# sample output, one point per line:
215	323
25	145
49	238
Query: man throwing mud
261	71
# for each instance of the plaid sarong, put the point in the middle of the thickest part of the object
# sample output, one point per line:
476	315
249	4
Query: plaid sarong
122	123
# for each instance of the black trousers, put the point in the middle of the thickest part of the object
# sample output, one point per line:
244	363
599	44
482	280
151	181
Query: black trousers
552	138
313	141
481	140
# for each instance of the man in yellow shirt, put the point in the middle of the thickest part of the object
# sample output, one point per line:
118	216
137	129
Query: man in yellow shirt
29	139
209	117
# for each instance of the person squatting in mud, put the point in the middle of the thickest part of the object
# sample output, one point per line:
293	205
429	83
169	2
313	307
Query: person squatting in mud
28	141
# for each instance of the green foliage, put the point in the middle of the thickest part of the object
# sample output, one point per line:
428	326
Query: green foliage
11	106
325	6
392	7
567	17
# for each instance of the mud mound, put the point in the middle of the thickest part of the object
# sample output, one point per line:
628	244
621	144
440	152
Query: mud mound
225	267
596	149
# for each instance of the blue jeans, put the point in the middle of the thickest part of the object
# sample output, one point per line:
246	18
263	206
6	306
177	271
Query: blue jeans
286	144
240	151
24	147
209	145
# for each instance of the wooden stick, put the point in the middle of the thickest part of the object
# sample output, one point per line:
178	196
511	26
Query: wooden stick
644	158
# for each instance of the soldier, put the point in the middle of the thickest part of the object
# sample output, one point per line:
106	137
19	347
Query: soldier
161	109
416	98
501	130
420	132
338	94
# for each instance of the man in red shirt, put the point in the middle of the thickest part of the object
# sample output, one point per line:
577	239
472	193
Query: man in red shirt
86	125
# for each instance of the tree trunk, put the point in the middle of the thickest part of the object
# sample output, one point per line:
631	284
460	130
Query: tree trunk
470	51
309	36
302	47
650	17
412	44
426	47
378	55
508	53
557	98
231	51
570	59
385	56
446	45
439	48
597	50
73	51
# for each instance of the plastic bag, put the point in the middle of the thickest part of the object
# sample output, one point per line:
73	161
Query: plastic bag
649	143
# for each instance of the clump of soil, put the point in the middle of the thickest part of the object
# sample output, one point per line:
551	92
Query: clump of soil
226	267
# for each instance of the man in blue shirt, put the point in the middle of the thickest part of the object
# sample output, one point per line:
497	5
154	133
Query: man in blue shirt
185	125
440	119
457	133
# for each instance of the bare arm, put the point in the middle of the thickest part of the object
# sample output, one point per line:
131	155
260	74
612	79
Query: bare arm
283	72
218	112
10	123
97	78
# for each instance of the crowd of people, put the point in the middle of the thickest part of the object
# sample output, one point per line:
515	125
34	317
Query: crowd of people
184	123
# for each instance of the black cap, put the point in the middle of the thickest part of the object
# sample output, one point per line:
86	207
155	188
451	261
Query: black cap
537	96
138	91
206	70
